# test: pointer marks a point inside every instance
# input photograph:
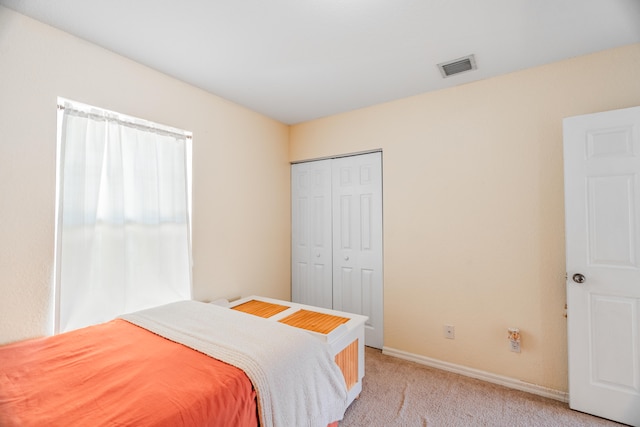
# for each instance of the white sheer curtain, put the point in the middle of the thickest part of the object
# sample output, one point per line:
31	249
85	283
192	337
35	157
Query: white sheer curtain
123	241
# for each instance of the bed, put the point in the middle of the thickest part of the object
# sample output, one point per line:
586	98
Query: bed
183	364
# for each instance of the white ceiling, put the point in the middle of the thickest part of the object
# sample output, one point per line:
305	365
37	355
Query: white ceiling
297	60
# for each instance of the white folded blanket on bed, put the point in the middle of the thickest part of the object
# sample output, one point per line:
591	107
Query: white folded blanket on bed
295	377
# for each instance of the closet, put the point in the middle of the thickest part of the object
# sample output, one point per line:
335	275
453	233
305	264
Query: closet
336	237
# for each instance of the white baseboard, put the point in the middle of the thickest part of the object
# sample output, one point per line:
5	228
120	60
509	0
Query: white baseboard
478	374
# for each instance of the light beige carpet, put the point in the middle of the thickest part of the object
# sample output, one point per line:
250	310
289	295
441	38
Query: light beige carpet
401	393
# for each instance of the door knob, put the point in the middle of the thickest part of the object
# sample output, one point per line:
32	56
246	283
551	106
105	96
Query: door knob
346	258
578	278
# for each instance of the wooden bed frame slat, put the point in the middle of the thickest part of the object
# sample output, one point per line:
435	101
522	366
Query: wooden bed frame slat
347	360
260	308
313	321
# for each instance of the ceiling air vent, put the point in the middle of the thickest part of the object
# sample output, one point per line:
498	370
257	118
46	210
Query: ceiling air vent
457	66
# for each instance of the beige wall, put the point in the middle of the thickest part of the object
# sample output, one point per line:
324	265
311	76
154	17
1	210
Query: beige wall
241	171
473	208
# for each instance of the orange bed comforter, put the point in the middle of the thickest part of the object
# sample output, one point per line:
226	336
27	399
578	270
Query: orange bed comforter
118	374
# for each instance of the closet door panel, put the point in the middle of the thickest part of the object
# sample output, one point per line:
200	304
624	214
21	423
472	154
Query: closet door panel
311	246
357	239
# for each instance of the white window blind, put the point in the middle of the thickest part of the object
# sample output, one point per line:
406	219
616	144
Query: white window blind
123	240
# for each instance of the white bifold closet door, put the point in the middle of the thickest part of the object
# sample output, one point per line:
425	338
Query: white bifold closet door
337	237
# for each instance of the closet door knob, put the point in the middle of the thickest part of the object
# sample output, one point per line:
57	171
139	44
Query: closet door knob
346	258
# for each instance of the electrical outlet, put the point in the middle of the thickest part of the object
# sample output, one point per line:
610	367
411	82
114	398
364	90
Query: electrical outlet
449	331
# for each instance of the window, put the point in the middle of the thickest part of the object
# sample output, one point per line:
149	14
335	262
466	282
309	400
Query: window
123	240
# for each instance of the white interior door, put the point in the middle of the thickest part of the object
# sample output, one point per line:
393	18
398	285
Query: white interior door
357	240
311	249
602	196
